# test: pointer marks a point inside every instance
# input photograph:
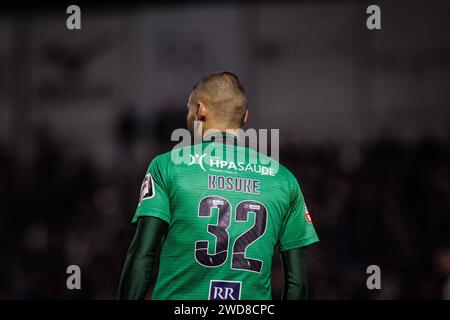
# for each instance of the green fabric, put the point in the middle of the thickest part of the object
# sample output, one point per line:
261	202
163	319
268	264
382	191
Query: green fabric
295	274
135	280
200	196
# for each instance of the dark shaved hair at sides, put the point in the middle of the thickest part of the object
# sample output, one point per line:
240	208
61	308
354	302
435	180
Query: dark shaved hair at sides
225	94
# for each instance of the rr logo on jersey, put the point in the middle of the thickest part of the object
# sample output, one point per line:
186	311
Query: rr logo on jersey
147	188
224	290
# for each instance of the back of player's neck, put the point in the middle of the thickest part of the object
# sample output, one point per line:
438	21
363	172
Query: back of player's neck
208	132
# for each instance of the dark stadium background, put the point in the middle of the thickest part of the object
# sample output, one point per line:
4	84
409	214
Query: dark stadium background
364	121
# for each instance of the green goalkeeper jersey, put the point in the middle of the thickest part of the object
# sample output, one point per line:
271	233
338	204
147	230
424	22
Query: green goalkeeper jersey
228	207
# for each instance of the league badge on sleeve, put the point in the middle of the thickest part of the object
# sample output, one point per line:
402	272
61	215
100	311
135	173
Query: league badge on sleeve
307	215
147	188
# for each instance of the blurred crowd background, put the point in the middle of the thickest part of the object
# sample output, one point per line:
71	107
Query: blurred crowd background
364	121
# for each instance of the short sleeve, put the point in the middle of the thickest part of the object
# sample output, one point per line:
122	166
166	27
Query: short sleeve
154	193
297	229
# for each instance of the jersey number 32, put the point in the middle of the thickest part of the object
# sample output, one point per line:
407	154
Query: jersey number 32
219	230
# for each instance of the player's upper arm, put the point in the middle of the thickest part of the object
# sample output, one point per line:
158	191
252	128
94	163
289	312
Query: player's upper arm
154	193
297	229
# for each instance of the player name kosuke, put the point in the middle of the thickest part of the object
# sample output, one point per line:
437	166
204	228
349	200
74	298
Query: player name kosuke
243	185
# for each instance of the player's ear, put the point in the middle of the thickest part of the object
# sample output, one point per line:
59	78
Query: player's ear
201	111
244	120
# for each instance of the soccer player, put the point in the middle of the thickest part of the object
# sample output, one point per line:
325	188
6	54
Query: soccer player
217	219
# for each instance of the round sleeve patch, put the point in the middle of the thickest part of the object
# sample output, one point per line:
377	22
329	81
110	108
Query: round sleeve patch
147	188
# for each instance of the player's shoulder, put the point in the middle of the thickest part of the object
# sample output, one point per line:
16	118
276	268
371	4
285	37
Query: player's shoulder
159	162
280	170
158	159
288	177
289	182
162	157
174	156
